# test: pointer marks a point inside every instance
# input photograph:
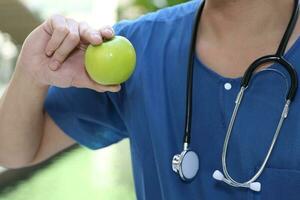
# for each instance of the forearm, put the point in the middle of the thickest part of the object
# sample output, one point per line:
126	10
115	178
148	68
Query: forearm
51	55
21	120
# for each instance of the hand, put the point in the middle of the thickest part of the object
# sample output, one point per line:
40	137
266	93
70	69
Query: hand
53	54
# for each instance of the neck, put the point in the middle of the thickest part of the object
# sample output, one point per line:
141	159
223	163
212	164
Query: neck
240	31
244	17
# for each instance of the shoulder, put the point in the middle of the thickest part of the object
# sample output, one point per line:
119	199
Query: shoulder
165	16
172	13
161	39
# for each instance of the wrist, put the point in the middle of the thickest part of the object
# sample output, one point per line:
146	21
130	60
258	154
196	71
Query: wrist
24	78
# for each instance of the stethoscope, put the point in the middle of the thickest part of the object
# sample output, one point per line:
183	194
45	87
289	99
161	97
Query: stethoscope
186	164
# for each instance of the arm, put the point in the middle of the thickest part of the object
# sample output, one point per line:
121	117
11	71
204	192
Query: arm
28	135
49	56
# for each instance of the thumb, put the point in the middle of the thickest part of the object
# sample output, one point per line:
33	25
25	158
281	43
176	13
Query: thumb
104	88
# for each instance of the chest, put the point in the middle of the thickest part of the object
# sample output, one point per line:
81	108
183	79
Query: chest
156	123
157	132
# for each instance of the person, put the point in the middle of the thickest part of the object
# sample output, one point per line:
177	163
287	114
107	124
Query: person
51	103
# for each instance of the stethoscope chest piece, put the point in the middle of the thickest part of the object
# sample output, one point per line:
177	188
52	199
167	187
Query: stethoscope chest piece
186	165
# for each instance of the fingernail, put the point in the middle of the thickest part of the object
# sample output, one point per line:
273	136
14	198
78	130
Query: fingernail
117	88
49	53
109	31
54	65
96	36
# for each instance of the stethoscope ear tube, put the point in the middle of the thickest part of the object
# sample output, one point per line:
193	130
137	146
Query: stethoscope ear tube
186	164
289	30
278	57
273	59
188	156
189	86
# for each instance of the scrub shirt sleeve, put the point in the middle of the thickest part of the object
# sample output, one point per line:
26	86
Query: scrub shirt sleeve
91	118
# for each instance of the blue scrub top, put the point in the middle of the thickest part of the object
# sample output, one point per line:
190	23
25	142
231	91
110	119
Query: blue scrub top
150	111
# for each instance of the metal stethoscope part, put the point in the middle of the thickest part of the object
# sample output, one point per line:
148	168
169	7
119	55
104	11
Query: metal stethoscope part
186	164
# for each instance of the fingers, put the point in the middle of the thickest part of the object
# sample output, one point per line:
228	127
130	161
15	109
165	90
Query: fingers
107	32
59	30
89	83
104	88
88	35
96	86
82	80
67	34
67	46
91	36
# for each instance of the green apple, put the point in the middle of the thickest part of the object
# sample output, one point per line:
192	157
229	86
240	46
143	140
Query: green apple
111	62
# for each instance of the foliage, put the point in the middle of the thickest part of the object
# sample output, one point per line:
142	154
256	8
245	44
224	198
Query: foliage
135	8
78	175
152	5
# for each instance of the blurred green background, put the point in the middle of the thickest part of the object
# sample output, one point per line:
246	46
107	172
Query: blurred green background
76	173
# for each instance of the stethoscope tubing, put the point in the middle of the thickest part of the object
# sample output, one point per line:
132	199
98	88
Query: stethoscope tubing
273	59
278	58
189	85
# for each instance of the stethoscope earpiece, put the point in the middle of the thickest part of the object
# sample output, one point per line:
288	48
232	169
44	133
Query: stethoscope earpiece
186	164
254	186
